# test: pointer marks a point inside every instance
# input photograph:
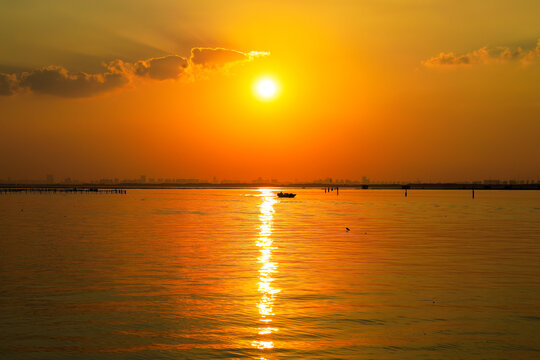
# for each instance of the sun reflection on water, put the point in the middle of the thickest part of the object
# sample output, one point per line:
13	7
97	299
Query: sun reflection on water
267	270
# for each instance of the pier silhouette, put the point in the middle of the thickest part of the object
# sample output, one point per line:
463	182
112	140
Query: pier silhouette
62	190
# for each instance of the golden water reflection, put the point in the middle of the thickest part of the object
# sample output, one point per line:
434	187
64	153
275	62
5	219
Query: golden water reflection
267	270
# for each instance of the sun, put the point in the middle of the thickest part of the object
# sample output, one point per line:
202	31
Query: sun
266	89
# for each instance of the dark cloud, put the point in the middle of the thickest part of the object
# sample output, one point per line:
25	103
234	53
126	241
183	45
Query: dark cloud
55	80
533	55
219	57
484	56
58	81
162	68
8	83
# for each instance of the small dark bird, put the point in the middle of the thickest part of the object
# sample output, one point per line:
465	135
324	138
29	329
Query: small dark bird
348	229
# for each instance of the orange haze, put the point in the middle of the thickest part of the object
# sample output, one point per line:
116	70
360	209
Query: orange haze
428	90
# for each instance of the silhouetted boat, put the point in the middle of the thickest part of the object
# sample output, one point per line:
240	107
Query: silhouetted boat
285	195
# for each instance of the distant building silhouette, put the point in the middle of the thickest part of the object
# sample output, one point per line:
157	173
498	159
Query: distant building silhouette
187	181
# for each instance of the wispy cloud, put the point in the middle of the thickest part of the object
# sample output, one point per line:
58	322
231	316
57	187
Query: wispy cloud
219	57
485	55
58	81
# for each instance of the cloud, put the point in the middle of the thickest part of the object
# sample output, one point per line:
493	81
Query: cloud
485	55
162	68
7	84
55	80
218	57
533	55
58	81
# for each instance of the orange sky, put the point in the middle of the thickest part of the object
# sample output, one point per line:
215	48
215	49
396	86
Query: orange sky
391	90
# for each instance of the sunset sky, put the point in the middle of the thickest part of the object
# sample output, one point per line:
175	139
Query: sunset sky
388	89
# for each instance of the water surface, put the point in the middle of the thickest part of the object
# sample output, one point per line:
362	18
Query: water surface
241	274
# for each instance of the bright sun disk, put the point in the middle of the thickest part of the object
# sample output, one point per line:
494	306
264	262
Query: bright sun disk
266	88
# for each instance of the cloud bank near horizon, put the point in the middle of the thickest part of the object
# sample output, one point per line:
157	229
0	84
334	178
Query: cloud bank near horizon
58	81
486	55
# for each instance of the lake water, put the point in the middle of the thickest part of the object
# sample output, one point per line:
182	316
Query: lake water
241	274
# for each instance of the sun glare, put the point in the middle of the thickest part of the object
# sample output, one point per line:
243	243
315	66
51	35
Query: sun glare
266	89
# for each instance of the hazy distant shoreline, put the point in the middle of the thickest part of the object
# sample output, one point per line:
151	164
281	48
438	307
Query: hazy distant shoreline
417	186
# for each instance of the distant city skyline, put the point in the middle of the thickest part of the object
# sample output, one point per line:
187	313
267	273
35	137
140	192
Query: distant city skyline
144	179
